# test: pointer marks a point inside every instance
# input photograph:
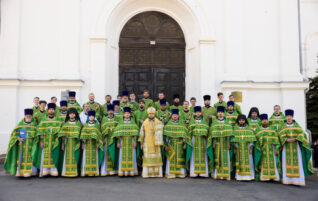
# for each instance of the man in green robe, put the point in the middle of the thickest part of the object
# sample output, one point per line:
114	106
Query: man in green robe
36	102
253	119
109	164
266	151
61	114
185	114
208	112
54	100
141	114
243	142
163	113
118	113
108	101
45	143
296	152
92	146
42	112
193	102
220	133
125	101
146	98
237	107
69	141
221	101
126	133
133	102
72	102
119	97
94	106
177	140
277	119
161	96
176	103
18	160
231	115
198	153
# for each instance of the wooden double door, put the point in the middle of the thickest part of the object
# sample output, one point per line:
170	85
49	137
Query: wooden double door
152	56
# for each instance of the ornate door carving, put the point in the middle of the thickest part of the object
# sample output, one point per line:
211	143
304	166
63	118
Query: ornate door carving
152	56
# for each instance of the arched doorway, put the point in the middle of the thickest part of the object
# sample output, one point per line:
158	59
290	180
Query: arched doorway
152	56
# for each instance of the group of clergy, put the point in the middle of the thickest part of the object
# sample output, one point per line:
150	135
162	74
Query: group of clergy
161	139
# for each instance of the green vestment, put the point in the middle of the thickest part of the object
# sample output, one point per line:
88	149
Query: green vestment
277	121
208	111
69	158
75	105
19	159
163	116
243	140
291	151
127	133
47	134
157	105
176	137
231	118
93	152
140	115
185	117
97	108
221	132
108	127
198	133
264	153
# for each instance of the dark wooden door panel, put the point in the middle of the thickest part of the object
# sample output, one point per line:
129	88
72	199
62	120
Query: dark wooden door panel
158	67
170	81
135	80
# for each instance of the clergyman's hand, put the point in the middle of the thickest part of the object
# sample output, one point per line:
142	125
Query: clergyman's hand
251	151
291	140
20	139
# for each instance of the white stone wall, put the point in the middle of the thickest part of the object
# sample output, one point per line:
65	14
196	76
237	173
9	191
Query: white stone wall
251	46
309	32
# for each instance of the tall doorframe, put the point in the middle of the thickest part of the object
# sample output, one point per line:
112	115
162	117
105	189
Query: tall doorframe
198	36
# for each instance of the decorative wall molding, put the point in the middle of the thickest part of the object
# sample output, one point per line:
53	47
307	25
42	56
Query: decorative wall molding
41	83
264	85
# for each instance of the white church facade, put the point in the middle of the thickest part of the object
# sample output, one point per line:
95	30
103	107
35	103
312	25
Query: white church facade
265	49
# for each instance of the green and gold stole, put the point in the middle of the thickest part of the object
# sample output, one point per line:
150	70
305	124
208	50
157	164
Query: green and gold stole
242	137
291	151
14	149
126	131
69	135
199	131
178	135
47	134
266	138
220	131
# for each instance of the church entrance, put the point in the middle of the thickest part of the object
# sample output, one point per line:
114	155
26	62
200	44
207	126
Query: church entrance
152	56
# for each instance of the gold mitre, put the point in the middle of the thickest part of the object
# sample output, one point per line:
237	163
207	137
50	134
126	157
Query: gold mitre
151	110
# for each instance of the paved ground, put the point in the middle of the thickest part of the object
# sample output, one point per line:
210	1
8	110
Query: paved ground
136	188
